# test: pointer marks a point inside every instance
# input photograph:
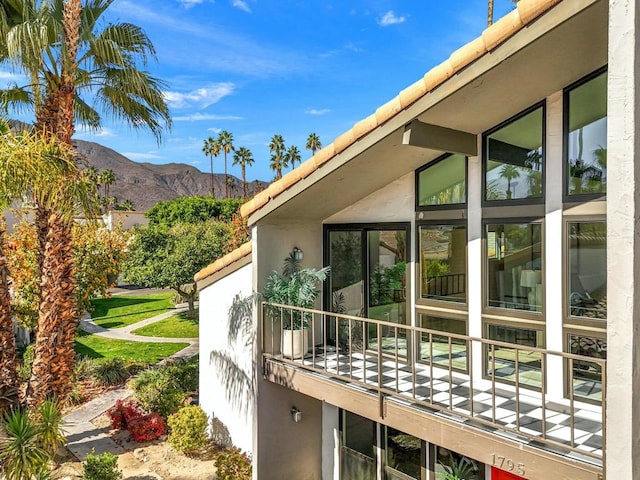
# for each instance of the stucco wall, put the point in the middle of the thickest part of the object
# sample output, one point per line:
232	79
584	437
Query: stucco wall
234	408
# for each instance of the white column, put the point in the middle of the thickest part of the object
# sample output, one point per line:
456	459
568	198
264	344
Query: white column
554	265
330	442
623	268
475	256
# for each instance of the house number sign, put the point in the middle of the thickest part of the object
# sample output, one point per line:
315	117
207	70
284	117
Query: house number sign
504	463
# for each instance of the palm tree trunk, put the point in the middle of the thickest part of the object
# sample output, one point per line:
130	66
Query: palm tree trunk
8	373
211	161
490	13
57	318
226	178
244	181
53	362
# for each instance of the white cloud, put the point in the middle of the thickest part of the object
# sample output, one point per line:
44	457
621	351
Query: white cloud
197	117
214	130
390	18
88	133
189	3
317	111
137	156
242	5
201	97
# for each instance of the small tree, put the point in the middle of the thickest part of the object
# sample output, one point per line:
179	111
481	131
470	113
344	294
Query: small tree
194	209
164	257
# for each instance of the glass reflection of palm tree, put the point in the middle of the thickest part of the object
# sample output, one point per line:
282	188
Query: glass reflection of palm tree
509	172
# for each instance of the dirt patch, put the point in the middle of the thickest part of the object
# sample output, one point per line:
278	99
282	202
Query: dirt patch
144	461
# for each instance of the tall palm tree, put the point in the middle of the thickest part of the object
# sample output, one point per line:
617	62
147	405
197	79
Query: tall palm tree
509	172
44	168
106	178
211	148
292	156
244	158
225	139
277	149
313	143
60	46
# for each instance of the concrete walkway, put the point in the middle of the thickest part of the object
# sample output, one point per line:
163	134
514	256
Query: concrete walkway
82	436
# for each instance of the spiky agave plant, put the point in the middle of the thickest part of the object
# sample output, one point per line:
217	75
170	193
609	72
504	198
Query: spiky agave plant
50	425
21	456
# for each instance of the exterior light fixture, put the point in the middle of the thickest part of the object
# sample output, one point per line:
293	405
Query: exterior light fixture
297	253
296	415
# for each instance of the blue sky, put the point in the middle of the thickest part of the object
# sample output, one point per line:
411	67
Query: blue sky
260	67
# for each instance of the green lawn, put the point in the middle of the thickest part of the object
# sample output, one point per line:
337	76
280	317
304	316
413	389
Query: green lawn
122	310
98	347
176	326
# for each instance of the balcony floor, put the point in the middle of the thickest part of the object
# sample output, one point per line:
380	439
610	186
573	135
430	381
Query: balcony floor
515	415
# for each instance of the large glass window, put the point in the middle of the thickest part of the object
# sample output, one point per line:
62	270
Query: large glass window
506	363
587	137
437	348
587	376
443	262
449	464
587	270
514	266
442	182
358	447
513	160
403	455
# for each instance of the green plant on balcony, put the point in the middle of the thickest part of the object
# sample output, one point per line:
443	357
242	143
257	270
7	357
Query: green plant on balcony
463	469
298	289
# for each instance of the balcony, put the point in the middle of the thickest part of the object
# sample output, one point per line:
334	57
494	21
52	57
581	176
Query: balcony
494	386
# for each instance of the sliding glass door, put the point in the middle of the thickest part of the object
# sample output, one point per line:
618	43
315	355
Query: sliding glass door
368	279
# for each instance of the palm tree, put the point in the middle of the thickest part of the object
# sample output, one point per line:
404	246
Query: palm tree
225	139
313	143
509	172
277	149
106	178
59	46
212	149
244	158
292	156
45	169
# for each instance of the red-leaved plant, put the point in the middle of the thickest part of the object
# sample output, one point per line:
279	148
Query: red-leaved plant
123	412
147	428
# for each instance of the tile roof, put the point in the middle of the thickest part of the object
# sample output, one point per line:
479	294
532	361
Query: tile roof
525	13
230	258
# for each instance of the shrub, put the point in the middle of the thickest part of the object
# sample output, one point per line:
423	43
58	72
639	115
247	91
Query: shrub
110	372
51	433
220	435
84	367
20	453
24	372
101	467
184	373
232	464
122	413
147	428
158	392
188	429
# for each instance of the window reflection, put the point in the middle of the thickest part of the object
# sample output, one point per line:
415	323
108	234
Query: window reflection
513	160
443	257
443	182
587	269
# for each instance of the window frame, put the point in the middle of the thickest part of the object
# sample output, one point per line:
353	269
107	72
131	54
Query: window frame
578	197
573	321
446	206
485	136
497	313
421	301
567	332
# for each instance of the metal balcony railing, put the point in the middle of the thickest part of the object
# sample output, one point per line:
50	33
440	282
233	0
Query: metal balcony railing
437	371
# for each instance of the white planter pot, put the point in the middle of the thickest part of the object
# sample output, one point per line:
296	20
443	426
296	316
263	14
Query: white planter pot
295	343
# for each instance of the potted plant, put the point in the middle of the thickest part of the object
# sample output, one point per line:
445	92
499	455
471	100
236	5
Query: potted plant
297	287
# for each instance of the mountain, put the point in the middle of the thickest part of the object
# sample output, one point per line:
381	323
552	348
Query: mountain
146	184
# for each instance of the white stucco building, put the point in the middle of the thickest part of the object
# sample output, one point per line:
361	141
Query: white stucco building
481	229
